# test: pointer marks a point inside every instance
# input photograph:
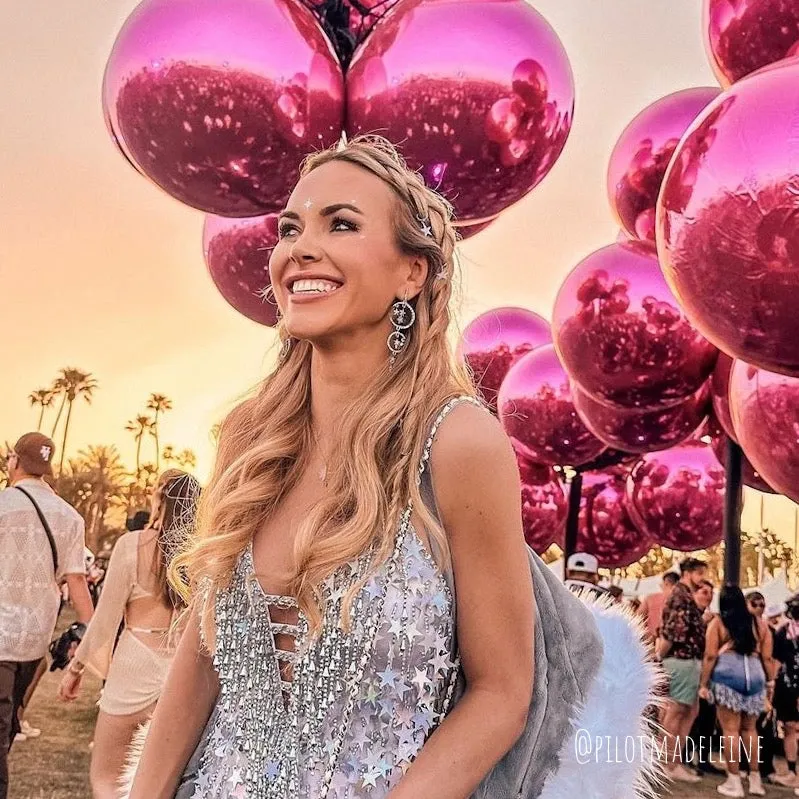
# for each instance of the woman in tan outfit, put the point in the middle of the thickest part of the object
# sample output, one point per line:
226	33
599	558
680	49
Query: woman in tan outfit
135	592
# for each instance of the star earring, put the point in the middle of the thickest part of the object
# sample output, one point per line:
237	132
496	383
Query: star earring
402	318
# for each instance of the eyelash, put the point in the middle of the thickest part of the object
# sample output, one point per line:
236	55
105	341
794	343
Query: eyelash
288	227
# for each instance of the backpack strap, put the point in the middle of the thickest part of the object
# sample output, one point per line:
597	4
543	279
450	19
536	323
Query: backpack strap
47	529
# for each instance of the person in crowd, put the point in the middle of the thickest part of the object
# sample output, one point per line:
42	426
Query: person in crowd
786	689
41	541
652	605
680	647
137	592
704	727
703	596
582	574
737	676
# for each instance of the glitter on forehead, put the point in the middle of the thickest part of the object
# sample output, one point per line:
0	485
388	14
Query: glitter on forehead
308	204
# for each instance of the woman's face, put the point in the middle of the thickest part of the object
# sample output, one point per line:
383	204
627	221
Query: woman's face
703	596
756	606
338	228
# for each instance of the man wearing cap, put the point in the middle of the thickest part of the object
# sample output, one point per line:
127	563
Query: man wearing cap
31	568
582	574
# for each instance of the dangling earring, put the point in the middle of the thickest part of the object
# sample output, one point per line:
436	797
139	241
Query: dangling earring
402	317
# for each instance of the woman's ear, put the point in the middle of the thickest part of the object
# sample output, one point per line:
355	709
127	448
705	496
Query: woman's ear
418	267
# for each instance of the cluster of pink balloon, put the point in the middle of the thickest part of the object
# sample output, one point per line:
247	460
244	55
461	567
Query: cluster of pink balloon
703	183
218	103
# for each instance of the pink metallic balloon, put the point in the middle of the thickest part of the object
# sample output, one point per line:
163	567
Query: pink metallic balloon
536	409
720	393
677	496
237	255
633	430
741	36
622	336
544	506
495	340
750	476
218	102
728	221
605	528
765	413
478	94
642	153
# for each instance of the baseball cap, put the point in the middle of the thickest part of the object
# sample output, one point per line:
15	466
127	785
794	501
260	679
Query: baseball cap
583	562
36	452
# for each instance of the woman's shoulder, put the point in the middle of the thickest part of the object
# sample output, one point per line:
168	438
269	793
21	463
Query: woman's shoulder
468	430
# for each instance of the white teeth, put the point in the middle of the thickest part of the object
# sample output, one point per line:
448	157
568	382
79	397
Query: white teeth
303	286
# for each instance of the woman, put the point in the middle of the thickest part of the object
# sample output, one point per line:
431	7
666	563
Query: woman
738	676
299	550
137	592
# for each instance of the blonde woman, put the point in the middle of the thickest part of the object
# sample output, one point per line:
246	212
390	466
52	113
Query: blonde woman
137	592
322	641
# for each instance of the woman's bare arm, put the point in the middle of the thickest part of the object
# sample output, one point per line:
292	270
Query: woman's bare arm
180	716
478	494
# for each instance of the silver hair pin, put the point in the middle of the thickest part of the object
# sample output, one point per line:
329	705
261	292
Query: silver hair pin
425	226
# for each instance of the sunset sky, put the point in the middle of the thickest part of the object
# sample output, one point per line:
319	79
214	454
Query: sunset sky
102	271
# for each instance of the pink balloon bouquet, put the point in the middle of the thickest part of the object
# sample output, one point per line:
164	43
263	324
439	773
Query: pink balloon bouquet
642	153
495	340
677	496
741	36
728	221
623	337
536	409
237	255
219	102
765	413
478	93
605	528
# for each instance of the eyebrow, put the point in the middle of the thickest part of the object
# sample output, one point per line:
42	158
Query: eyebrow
328	210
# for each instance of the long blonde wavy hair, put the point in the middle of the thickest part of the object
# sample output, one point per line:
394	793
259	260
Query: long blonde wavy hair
265	442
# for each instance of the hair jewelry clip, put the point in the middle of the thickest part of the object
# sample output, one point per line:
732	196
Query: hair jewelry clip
425	226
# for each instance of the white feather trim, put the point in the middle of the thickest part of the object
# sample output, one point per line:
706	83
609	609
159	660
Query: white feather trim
625	767
132	758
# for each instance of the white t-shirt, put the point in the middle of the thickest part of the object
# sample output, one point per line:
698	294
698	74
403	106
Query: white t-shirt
29	594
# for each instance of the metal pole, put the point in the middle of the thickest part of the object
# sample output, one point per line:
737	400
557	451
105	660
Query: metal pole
572	520
732	514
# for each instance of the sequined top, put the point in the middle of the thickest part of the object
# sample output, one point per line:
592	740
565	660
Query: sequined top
360	705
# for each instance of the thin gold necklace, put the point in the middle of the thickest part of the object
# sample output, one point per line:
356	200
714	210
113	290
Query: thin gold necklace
322	473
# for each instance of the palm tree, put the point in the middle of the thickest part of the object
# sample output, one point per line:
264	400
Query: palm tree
43	397
186	459
158	403
107	477
140	426
58	389
74	383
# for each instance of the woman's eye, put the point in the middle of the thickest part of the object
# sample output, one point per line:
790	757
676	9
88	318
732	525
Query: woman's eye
285	230
339	223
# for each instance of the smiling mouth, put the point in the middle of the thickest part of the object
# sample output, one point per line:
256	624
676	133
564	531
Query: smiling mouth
313	288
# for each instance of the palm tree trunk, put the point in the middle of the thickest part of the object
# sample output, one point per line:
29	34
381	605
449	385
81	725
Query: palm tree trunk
64	441
157	445
58	415
41	419
138	455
